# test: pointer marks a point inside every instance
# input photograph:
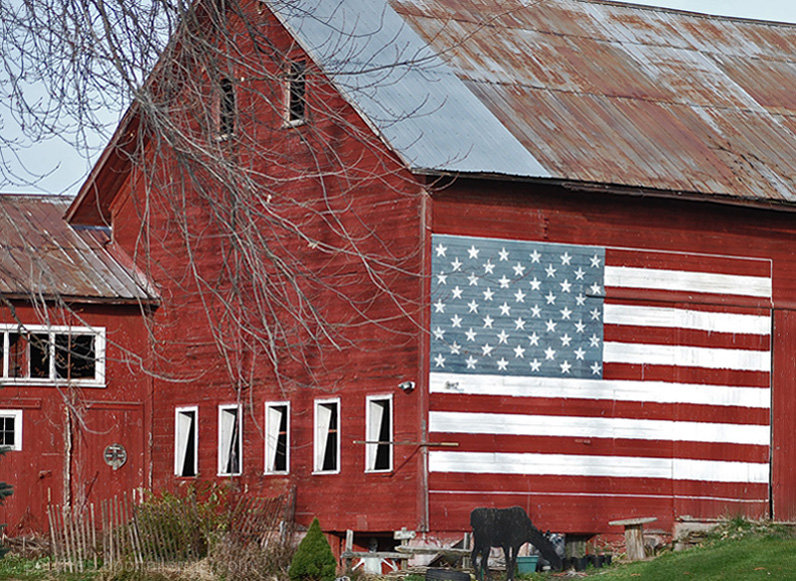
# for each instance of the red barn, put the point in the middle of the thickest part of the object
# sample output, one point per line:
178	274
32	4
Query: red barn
460	254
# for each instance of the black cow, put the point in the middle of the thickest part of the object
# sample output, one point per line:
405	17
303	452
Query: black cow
508	528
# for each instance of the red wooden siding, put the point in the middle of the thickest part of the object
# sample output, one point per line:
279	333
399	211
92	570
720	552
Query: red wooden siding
783	418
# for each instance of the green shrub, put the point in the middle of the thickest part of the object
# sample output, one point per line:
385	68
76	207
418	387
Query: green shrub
5	490
313	560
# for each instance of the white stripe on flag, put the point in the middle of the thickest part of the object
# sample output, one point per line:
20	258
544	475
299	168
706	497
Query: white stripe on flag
679	280
606	466
716	322
685	356
599	389
597	427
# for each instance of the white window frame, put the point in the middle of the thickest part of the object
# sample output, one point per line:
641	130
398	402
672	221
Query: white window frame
181	440
272	425
51	331
321	432
372	430
289	80
17	415
224	445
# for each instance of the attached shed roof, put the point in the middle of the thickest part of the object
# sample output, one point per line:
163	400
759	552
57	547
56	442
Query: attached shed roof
42	256
579	90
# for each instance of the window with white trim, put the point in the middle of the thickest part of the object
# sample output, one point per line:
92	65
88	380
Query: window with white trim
230	450
378	433
40	354
277	437
326	444
11	429
186	435
297	92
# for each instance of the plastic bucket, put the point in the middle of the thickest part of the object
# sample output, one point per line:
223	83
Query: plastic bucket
527	565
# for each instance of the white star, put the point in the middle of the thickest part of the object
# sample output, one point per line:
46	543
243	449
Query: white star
455	348
595	261
504	309
471	361
442	278
473	251
551	298
519	352
439	360
579	274
488	294
504	254
488	322
535	283
594	341
595	314
549	353
580	299
504	282
535	365
595	289
551	272
535	256
441	250
519	269
565	313
580	326
489	268
470	334
536	311
565	367
551	325
473	306
534	339
565	340
566	259
439	333
456	321
595	368
439	306
486	350
456	264
519	324
579	353
503	337
502	363
457	292
473	280
519	297
565	286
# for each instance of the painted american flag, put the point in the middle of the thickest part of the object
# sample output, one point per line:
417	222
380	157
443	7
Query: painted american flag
660	361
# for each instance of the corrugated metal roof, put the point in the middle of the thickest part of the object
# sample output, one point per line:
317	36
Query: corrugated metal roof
41	255
592	91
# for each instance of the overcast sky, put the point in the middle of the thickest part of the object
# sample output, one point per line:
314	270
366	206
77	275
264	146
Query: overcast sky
67	168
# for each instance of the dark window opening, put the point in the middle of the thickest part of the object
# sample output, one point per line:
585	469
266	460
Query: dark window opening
7	431
17	355
233	461
39	347
75	357
330	451
297	87
226	118
280	459
383	448
186	443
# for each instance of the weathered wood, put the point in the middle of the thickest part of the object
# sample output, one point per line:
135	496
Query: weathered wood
634	535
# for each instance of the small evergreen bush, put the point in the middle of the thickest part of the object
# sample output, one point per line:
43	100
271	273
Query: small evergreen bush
313	560
5	490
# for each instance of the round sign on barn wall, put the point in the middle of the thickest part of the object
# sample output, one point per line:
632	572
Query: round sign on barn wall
115	456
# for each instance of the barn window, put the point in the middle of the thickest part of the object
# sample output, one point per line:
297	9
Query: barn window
277	437
229	440
11	429
39	354
226	109
378	437
297	92
327	436
185	441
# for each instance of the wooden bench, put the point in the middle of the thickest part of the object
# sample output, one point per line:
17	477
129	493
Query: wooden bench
634	535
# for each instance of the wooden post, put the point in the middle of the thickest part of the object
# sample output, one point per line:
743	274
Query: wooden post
634	535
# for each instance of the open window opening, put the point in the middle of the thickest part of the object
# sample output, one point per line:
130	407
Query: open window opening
327	436
229	440
11	429
297	92
277	437
378	437
186	441
227	109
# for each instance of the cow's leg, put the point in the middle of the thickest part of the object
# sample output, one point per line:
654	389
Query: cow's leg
507	553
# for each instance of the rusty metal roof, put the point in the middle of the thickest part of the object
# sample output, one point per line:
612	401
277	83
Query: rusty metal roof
42	256
592	91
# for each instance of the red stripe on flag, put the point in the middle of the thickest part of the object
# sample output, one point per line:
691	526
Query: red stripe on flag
685	375
688	262
690	337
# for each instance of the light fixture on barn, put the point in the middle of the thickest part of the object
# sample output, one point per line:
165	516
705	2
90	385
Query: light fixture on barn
407	386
